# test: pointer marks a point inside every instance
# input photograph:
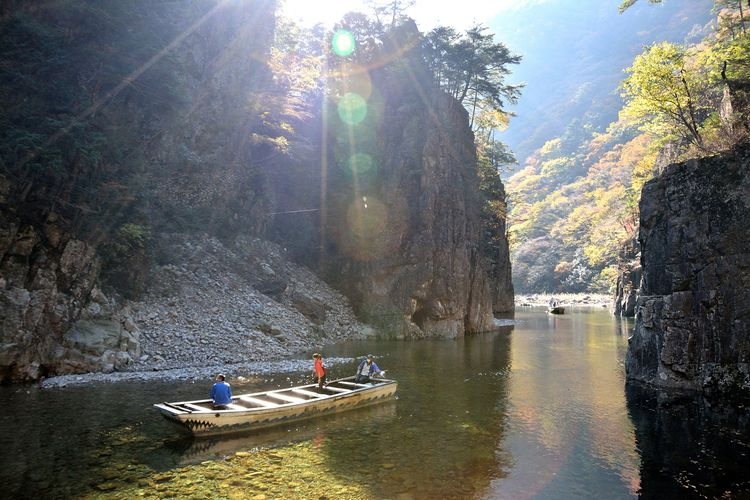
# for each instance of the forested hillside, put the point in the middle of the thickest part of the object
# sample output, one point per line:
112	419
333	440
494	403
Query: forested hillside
574	54
575	203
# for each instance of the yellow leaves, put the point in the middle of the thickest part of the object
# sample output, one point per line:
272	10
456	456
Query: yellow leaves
643	170
526	186
498	208
491	119
606	281
551	147
564	267
556	166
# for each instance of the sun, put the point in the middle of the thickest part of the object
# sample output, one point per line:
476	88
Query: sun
326	12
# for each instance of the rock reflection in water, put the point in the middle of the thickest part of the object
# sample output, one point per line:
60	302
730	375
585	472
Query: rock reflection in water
451	417
690	446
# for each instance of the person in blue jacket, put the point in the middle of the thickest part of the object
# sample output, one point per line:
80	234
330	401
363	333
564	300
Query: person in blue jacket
221	393
366	369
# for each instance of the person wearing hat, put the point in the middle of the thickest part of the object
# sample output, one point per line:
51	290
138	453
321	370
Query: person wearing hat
366	369
221	393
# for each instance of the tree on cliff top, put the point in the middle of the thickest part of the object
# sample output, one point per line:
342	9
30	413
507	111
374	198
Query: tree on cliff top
665	95
472	67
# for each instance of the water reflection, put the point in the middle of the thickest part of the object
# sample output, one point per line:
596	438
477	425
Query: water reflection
569	433
187	450
451	415
534	411
689	446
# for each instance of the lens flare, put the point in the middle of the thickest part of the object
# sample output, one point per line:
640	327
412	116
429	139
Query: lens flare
350	77
367	221
343	43
352	108
360	163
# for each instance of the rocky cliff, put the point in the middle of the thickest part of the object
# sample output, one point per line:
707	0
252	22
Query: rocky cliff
142	171
130	125
693	313
404	239
628	281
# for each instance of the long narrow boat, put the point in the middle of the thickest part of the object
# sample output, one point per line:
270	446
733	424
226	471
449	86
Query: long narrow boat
268	408
556	310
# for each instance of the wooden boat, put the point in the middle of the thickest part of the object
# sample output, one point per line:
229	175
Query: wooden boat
556	310
268	408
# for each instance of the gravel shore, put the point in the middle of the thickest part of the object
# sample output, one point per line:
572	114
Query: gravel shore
564	299
241	309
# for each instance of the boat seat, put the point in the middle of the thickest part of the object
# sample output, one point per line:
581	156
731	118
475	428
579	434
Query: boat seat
260	402
195	407
284	397
308	393
337	389
232	406
354	384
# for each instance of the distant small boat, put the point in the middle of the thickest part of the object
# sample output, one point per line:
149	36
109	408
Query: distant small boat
268	408
556	310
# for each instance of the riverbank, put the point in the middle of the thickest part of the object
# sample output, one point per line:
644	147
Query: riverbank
195	373
564	299
242	310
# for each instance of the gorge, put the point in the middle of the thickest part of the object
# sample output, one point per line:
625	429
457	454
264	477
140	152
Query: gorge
168	182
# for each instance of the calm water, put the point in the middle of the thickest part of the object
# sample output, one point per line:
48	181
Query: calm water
537	410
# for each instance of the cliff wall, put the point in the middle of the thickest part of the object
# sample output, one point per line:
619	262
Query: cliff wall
406	242
143	169
693	313
134	120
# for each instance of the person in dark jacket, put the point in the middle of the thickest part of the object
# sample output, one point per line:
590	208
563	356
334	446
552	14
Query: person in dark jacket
366	369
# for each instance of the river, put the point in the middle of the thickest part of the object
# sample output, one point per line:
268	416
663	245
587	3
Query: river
537	409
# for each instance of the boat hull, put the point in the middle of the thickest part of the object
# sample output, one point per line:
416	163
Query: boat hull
209	422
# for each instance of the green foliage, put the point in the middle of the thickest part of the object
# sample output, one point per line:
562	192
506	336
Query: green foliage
551	147
626	4
606	281
60	140
130	238
673	94
471	67
665	95
728	55
390	12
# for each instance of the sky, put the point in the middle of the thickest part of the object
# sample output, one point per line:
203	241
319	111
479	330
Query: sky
427	13
574	51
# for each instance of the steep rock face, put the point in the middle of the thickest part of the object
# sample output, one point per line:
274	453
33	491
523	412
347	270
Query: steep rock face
626	291
170	151
52	317
692	324
502	284
628	281
408	242
503	295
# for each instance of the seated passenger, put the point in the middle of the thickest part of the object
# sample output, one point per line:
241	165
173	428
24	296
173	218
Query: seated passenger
221	393
366	369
